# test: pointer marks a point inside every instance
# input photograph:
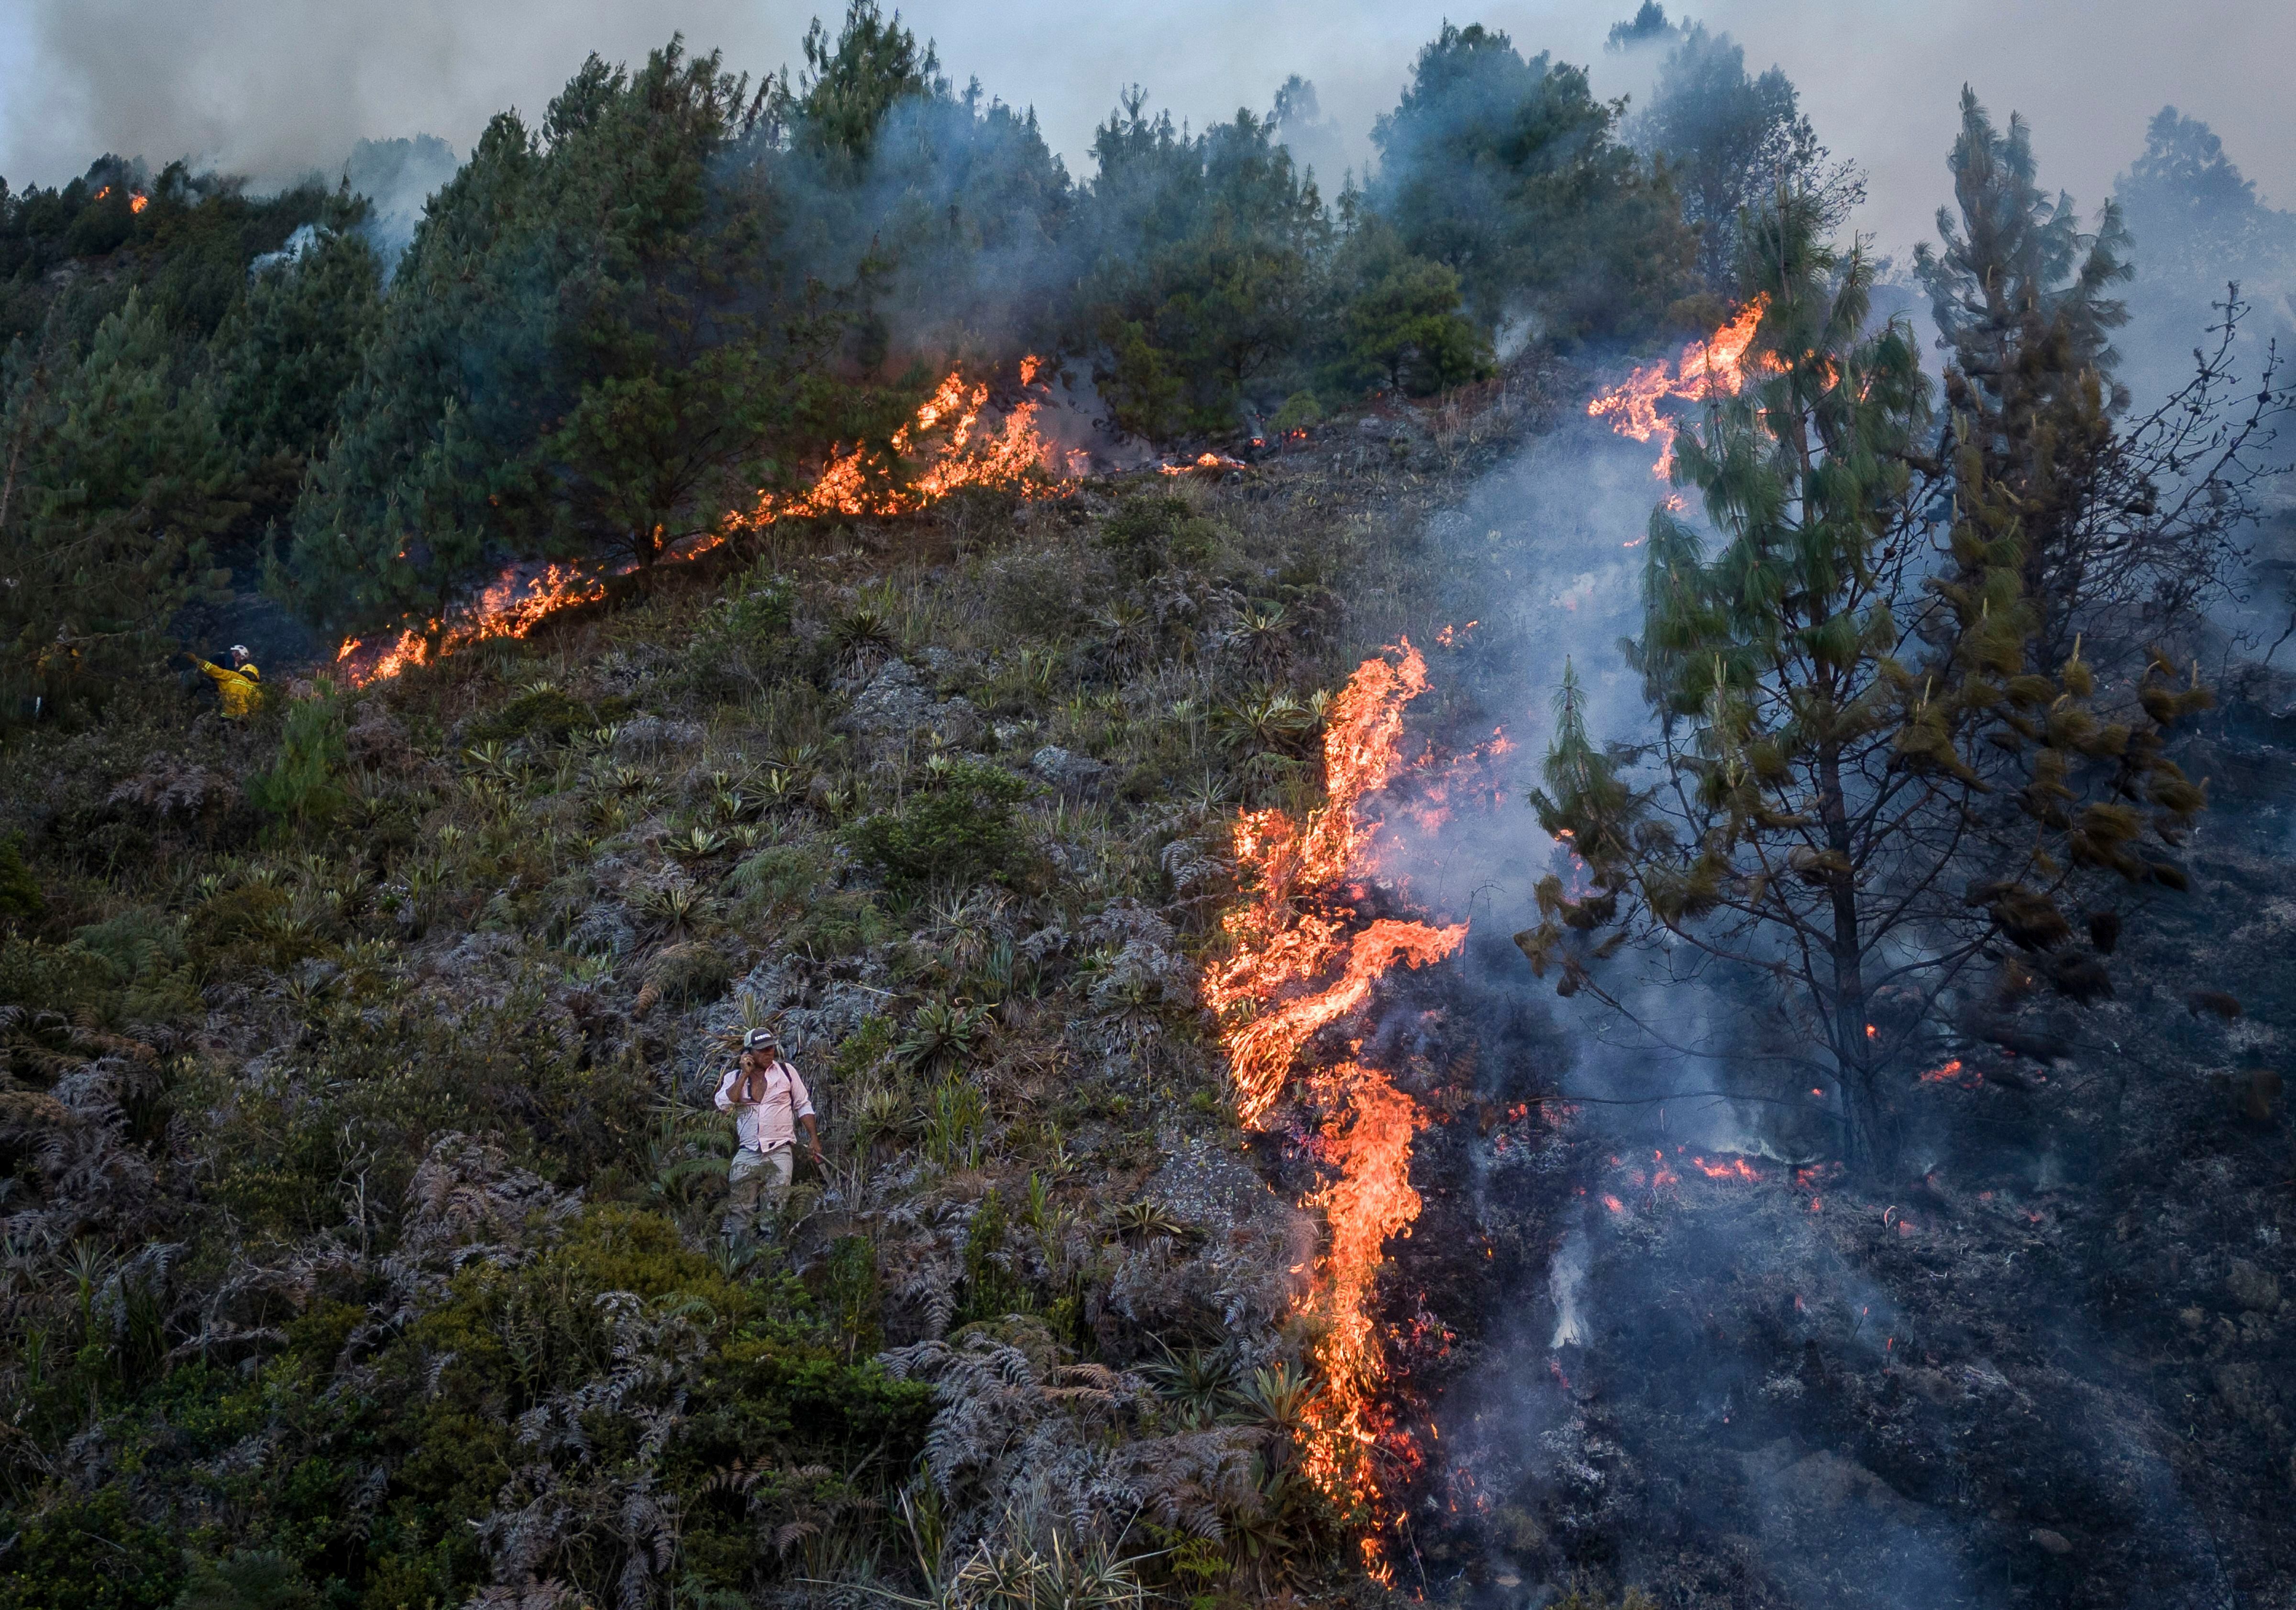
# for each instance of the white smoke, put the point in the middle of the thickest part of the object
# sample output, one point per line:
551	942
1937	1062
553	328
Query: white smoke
1566	1279
277	90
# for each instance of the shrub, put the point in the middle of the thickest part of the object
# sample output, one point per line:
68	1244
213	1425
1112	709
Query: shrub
842	923
1300	412
300	785
745	639
546	711
1148	534
1037	592
777	877
690	974
247	1581
20	891
959	827
237	916
135	944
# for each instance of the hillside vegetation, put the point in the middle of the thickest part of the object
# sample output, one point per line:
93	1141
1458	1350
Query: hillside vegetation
360	1184
366	1244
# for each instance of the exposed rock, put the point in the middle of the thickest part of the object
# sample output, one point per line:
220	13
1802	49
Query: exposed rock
1072	774
894	705
651	736
2252	1288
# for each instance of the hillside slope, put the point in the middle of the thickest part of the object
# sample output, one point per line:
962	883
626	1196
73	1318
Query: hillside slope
362	1240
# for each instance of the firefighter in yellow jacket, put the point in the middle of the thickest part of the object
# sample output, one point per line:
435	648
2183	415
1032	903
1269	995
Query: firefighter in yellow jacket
240	685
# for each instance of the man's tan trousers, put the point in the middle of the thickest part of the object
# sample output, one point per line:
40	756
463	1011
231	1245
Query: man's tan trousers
760	1180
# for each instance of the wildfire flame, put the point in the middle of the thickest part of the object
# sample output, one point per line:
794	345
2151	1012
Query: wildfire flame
943	440
509	608
1014	457
1954	1073
1708	367
1294	967
1202	461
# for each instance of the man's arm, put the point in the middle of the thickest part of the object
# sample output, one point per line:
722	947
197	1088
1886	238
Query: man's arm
801	1104
726	1087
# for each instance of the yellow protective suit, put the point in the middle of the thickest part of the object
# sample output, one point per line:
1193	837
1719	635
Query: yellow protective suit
241	689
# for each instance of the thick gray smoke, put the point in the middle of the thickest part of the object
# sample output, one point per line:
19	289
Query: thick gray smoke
276	90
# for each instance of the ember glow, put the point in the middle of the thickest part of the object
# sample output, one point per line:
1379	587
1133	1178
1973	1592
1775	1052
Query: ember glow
1298	962
1954	1073
1202	461
1708	368
942	447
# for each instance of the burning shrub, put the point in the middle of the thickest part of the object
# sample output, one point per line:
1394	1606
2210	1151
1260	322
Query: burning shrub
959	828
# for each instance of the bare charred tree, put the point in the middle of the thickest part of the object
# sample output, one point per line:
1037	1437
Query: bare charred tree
1862	788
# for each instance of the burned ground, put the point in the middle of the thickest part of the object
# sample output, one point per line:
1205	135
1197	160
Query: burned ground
2049	1367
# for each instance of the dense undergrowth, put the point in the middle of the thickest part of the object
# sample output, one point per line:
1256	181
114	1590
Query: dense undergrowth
363	1189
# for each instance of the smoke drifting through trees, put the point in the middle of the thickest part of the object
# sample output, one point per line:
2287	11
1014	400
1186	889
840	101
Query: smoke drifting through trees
1874	761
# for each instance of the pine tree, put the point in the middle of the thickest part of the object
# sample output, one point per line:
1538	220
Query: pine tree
1403	322
1508	171
291	346
572	357
115	481
2125	523
850	87
1206	257
1843	685
1731	139
2020	295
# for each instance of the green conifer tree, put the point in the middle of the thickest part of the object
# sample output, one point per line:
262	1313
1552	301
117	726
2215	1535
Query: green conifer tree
1843	685
577	357
2021	294
115	481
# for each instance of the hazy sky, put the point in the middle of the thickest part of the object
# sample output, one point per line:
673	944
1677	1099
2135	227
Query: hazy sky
274	87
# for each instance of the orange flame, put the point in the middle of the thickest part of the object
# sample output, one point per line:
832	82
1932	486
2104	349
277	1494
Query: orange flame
1709	366
1293	968
1368	1199
1202	461
1014	457
507	609
138	202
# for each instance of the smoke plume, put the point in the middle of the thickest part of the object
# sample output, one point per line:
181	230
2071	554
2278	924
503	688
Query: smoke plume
276	91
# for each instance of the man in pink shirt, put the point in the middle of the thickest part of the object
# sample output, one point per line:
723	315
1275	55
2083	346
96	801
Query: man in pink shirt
769	1103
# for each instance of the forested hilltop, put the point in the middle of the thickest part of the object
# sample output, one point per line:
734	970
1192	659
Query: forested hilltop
784	551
